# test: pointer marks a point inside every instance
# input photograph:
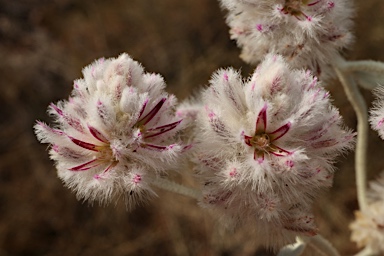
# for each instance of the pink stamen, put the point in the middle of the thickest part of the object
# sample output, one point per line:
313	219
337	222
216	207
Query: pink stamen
233	172
137	179
171	146
211	115
259	27
289	163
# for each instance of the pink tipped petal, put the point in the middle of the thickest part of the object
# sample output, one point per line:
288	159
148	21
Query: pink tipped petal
86	166
83	144
161	129
261	122
98	135
151	114
50	129
59	111
70	120
277	134
379	124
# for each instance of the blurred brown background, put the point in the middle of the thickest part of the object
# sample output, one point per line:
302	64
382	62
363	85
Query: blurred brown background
43	46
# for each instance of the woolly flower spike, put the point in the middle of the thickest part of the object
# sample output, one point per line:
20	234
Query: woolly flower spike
377	112
368	227
115	134
265	148
309	33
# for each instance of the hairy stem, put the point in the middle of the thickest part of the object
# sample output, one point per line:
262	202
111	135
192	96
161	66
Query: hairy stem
369	66
322	246
176	188
360	108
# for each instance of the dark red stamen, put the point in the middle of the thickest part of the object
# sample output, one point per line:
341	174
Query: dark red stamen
151	114
161	129
83	144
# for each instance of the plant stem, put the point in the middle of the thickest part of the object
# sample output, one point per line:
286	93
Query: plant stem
176	188
369	66
360	108
323	246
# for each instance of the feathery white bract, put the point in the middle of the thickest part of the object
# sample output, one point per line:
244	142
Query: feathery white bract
115	134
309	33
368	227
265	148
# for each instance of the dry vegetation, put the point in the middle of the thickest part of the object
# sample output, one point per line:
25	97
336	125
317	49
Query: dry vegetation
43	46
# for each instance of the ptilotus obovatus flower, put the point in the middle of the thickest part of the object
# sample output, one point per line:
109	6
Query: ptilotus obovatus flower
265	148
377	112
368	226
308	33
116	133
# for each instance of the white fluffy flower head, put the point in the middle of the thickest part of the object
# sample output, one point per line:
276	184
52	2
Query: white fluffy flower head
377	112
115	134
309	33
266	146
368	227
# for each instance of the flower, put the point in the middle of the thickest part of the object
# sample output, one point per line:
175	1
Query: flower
377	112
115	134
265	148
308	33
368	227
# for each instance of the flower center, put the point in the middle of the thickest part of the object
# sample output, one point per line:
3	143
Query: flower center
260	141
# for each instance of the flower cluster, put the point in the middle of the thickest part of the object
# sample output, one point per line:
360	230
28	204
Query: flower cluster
368	227
377	112
309	33
115	134
265	148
